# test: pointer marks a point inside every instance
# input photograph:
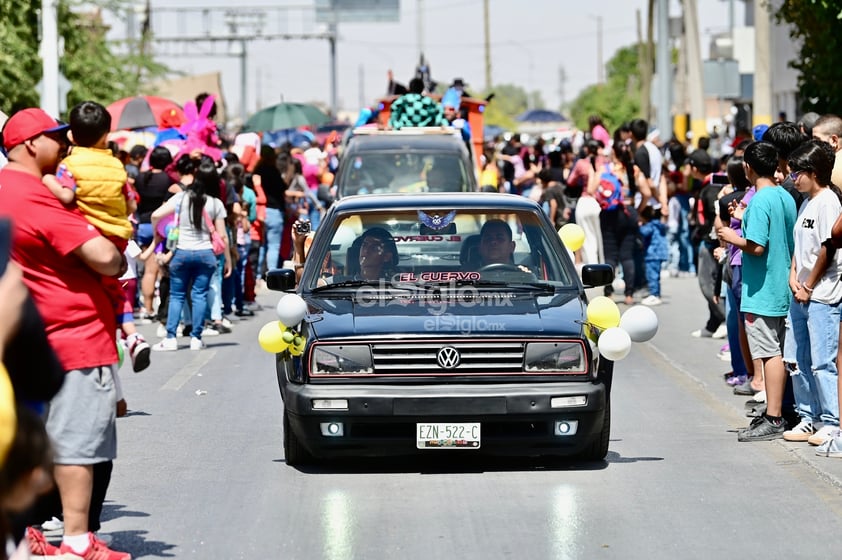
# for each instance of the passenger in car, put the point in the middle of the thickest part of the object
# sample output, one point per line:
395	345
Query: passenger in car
373	255
444	176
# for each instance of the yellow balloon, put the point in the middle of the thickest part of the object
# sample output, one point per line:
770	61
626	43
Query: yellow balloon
271	338
602	312
572	235
8	417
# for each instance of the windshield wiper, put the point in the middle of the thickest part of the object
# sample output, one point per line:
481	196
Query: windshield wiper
347	284
542	286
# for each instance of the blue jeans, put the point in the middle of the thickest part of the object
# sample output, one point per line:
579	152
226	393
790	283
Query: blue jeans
187	266
232	287
274	231
681	250
653	276
214	311
815	327
732	321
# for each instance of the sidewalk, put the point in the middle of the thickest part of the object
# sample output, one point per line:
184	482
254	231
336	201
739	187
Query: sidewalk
683	311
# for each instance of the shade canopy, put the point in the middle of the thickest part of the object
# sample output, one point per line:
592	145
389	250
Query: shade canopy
284	116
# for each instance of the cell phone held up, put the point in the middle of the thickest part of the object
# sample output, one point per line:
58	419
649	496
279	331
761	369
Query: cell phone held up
302	227
719	179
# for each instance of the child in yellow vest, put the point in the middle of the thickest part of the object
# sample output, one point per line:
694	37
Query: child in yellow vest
97	182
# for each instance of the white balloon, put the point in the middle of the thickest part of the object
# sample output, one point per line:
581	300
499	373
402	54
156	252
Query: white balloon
614	344
640	322
291	310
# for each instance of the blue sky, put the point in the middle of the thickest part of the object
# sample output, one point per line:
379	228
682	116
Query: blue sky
530	42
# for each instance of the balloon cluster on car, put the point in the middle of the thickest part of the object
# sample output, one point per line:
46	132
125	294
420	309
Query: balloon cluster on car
280	336
612	332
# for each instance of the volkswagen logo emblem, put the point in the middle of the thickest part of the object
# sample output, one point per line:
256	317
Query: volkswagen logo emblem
448	357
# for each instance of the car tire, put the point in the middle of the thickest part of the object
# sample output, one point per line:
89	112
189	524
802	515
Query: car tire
598	448
294	452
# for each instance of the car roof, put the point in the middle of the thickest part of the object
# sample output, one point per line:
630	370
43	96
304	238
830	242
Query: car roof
403	142
427	201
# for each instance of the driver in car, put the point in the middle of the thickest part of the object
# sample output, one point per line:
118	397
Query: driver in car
496	247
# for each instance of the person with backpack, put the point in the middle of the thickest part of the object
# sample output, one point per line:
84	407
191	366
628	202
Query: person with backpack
617	221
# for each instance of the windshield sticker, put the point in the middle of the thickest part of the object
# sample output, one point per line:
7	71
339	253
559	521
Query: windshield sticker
438	276
436	221
409	238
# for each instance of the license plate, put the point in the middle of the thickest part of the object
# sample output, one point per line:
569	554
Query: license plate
447	436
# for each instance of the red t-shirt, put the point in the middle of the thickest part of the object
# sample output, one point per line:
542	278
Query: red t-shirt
77	313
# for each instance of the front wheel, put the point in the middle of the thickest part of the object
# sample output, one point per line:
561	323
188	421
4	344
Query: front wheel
598	448
294	452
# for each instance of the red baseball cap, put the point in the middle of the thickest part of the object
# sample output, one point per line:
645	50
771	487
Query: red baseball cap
27	124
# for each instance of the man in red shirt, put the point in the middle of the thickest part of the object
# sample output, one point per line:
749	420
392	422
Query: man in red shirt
62	256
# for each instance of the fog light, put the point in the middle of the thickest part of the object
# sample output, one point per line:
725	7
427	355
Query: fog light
330	404
566	402
566	427
332	429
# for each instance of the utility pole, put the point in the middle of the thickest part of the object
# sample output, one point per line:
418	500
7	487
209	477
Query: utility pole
486	16
600	71
762	110
419	16
644	62
664	75
695	84
49	58
562	81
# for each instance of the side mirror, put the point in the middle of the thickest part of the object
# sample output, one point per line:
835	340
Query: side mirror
597	275
281	280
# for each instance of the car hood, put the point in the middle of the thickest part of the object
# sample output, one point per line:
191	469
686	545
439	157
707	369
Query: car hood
495	315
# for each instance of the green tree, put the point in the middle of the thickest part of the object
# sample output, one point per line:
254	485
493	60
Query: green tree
96	69
509	101
618	99
814	25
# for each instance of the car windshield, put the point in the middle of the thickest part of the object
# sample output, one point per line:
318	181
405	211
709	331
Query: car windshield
439	248
403	172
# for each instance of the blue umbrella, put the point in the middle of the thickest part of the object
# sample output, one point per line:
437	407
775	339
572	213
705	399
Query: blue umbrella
540	115
295	137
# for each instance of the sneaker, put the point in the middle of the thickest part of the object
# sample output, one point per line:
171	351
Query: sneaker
725	356
97	550
139	352
801	432
196	344
720	332
54	524
244	312
38	544
161	331
762	429
832	446
166	345
252	306
702	333
105	538
651	300
822	434
736	380
226	322
145	318
220	327
210	331
757	410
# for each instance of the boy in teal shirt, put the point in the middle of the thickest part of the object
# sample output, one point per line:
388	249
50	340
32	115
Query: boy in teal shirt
767	244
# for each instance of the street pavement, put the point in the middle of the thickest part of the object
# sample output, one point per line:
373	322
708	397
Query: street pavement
683	311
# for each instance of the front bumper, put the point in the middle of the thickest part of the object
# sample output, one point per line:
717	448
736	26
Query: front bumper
516	419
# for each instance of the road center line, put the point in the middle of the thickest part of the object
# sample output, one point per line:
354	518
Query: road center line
178	380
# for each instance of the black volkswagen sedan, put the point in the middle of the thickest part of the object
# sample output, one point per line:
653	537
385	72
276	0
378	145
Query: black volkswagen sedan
443	323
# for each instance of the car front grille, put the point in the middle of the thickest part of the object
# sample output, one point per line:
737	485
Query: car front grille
475	358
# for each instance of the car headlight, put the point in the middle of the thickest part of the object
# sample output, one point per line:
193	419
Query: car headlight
341	359
548	357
